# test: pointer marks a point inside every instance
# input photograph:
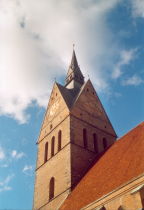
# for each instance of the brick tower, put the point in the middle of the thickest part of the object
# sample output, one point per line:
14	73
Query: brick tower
74	132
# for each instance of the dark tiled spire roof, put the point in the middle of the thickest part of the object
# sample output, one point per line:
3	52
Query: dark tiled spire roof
74	63
74	72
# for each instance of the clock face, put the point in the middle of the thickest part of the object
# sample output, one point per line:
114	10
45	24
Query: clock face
53	108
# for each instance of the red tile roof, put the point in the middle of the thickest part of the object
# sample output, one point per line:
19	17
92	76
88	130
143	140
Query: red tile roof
123	161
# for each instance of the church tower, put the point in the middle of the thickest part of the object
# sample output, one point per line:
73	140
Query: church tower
75	131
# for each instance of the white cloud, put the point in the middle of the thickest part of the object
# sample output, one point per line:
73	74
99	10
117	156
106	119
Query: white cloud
20	155
28	170
126	56
36	40
7	156
17	155
134	80
2	153
138	8
14	152
4	185
4	165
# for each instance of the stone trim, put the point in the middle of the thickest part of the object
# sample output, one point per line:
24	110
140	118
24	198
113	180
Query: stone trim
53	198
62	149
52	129
52	156
93	125
119	194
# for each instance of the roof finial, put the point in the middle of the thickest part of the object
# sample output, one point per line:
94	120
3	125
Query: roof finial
73	46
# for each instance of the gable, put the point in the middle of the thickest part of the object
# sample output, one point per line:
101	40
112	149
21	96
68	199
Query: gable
89	104
56	106
56	103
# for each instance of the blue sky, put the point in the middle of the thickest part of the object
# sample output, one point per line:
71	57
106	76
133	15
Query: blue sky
36	39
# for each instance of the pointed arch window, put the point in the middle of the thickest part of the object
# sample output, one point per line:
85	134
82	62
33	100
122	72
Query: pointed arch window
59	140
51	188
95	141
52	146
46	152
85	138
103	208
104	143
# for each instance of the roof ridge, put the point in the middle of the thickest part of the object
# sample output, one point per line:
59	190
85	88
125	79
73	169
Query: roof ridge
132	129
108	173
81	89
69	95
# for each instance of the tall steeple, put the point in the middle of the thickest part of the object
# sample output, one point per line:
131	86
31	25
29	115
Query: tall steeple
75	131
74	78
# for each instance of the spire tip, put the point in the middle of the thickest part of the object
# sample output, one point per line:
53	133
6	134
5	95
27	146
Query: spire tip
73	46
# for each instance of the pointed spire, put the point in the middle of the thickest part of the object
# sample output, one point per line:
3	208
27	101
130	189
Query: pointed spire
74	75
74	63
